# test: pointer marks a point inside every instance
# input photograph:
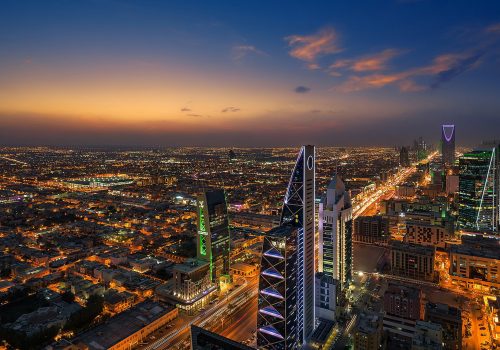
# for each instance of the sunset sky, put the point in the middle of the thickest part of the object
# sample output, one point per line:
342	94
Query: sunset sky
247	73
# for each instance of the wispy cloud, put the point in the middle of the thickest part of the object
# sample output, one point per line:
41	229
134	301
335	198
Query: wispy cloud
194	115
302	89
494	28
309	47
230	109
241	51
442	69
375	62
185	109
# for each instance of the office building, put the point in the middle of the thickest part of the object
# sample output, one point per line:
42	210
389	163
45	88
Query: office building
299	211
277	318
286	314
448	145
475	264
434	233
335	247
191	286
371	229
213	243
335	233
479	191
412	261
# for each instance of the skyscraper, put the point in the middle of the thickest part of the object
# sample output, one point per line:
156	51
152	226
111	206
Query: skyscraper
479	190
277	323
404	157
335	248
448	144
298	211
213	233
288	264
335	233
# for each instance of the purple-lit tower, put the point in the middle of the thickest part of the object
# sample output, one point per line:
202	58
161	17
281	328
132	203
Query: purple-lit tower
448	145
286	314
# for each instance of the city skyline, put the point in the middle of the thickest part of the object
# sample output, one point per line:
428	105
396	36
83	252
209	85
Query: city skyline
200	74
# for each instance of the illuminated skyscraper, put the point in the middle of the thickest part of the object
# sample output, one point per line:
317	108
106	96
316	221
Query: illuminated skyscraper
288	265
213	233
277	324
479	191
448	144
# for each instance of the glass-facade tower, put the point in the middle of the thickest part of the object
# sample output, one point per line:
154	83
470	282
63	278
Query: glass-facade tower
213	233
479	191
277	317
297	219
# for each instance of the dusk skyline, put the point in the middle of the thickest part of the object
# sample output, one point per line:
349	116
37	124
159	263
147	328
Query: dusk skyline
247	74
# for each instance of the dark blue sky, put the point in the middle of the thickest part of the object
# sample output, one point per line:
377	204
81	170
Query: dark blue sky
247	72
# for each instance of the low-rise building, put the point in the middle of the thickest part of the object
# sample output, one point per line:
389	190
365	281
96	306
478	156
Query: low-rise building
368	333
413	261
126	329
429	233
371	229
428	336
190	288
475	264
450	319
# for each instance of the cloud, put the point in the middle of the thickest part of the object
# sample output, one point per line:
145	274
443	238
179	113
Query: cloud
494	28
309	47
185	109
241	51
375	62
230	109
447	67
194	115
443	68
302	89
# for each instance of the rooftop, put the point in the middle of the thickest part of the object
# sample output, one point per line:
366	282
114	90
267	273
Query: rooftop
122	325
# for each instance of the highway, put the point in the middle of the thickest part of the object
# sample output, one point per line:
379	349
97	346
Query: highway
206	319
367	204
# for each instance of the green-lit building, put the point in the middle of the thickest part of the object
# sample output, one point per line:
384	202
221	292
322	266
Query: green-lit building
479	190
213	233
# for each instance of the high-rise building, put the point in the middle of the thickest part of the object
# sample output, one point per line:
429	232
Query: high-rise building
448	145
404	157
287	279
277	319
335	233
213	233
299	211
479	190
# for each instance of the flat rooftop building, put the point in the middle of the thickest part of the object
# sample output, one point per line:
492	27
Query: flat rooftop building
126	329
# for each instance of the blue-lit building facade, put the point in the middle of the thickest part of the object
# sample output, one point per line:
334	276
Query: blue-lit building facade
479	190
288	262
